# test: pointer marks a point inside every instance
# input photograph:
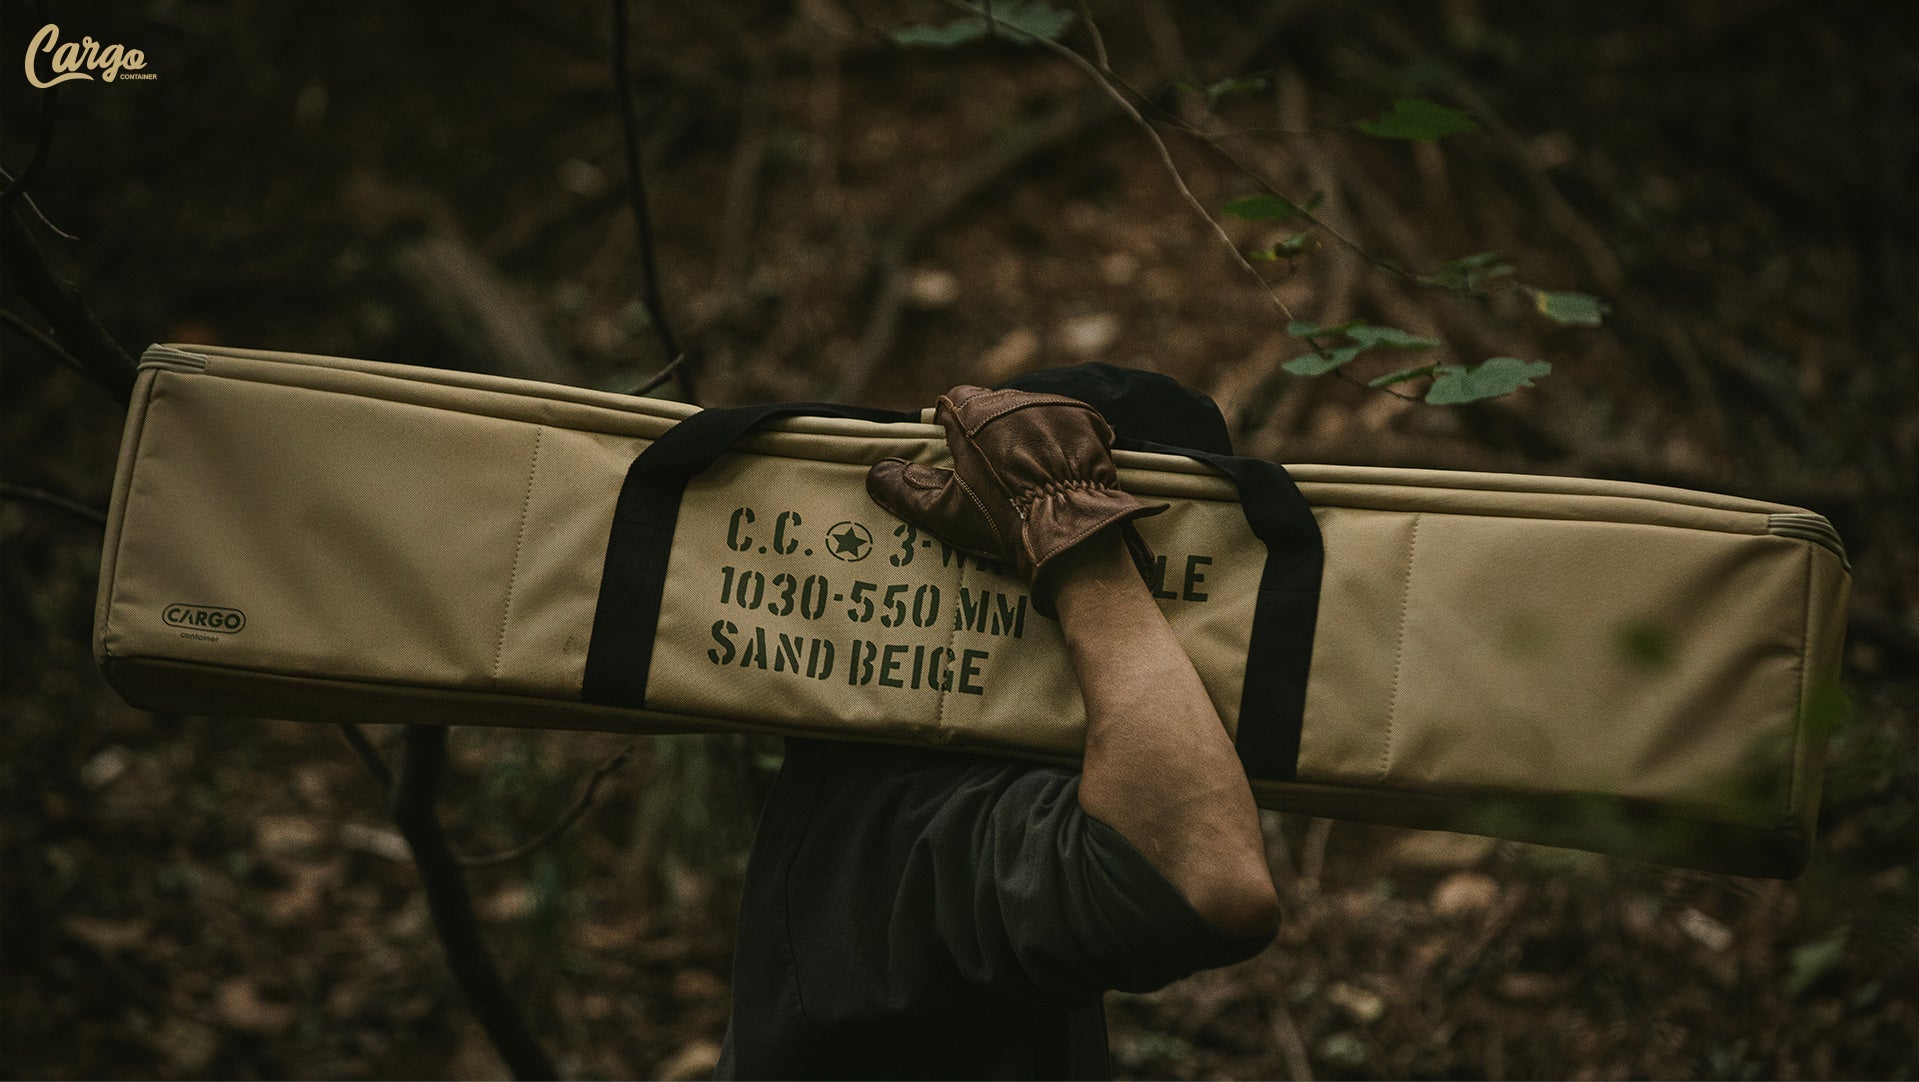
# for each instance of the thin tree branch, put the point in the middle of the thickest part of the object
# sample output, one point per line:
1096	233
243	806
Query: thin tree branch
451	906
1099	40
636	194
42	145
1112	88
1125	104
28	494
26	200
558	826
1210	140
61	305
19	325
654	381
375	762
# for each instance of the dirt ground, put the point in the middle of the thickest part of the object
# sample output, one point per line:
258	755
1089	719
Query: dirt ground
845	218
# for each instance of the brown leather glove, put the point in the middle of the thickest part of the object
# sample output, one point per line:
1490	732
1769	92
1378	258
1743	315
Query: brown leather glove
1032	477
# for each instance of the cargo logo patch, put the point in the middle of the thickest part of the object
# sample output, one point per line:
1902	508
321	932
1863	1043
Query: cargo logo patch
203	618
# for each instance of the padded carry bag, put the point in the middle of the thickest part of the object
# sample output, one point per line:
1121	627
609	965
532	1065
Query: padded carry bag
1619	667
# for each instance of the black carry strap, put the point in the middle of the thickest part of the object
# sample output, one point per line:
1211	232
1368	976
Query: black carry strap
621	652
1279	652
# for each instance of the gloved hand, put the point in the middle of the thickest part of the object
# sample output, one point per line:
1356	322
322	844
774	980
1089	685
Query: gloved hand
1032	477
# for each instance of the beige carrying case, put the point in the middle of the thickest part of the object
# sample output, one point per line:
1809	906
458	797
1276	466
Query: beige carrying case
1617	667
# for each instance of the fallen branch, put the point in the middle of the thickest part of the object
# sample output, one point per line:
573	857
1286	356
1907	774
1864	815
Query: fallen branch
369	755
451	906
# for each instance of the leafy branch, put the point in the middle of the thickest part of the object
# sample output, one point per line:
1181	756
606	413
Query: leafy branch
1331	348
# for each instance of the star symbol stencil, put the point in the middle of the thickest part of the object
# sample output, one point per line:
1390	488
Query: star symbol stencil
849	541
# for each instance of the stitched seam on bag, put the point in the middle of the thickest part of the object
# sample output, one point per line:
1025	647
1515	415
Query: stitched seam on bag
1399	651
1800	733
155	390
519	540
952	635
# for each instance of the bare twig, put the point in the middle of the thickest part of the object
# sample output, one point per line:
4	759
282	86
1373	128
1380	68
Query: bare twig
28	494
636	193
559	826
1099	39
451	906
654	382
375	763
61	305
19	325
26	200
1126	106
964	184
42	144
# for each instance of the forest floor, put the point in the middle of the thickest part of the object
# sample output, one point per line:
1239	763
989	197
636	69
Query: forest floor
845	218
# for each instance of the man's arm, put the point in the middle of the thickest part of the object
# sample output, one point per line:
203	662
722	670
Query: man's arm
1034	485
1159	767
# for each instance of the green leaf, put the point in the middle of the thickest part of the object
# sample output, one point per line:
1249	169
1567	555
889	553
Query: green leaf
1317	364
1467	272
1362	335
1401	376
1569	309
1040	19
1454	384
1226	88
1027	17
1269	208
1390	337
1296	245
928	36
1417	118
1811	961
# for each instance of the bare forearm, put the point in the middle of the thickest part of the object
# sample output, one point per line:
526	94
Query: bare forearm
1159	766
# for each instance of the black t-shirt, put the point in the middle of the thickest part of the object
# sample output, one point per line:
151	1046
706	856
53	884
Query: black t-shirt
910	913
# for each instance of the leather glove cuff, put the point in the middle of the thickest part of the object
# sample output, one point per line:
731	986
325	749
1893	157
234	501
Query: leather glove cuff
1066	513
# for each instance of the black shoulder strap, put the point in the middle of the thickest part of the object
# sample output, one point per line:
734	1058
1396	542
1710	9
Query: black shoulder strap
621	652
1279	653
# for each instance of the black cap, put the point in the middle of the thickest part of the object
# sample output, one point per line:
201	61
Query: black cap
1142	405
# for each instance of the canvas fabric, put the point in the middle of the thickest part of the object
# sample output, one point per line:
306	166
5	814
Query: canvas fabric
1618	667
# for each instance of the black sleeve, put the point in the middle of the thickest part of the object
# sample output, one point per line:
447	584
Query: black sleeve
1032	883
969	873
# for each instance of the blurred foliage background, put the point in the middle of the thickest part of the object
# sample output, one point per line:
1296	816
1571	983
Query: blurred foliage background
845	218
